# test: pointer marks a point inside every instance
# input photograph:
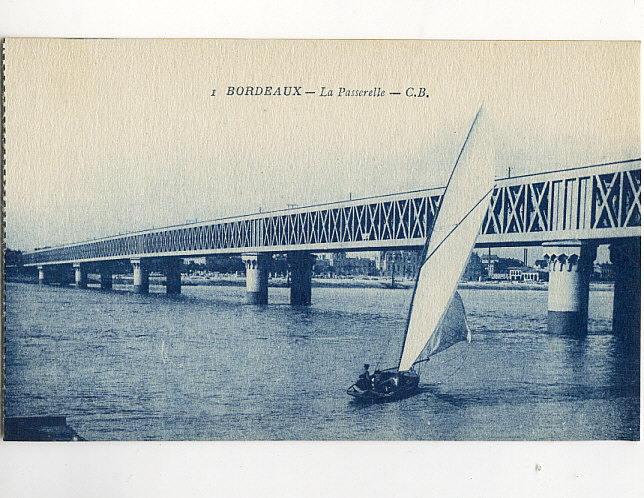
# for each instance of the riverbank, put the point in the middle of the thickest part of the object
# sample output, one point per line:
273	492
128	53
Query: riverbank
224	280
509	285
383	282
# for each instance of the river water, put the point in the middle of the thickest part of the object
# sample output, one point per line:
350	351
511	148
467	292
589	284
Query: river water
203	365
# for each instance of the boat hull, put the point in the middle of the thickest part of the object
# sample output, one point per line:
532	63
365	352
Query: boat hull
386	386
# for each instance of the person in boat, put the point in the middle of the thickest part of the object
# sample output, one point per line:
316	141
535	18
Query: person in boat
364	379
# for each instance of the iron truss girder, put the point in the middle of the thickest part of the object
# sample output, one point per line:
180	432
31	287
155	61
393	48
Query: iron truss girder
597	202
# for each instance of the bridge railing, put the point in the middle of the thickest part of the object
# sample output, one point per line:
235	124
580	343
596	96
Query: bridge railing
600	202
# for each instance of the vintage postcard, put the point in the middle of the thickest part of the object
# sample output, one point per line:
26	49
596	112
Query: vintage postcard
321	240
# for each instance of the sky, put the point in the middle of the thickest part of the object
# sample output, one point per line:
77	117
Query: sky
110	136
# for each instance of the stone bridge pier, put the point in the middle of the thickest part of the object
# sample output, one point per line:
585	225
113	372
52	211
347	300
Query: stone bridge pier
172	269
257	277
626	258
54	274
106	271
140	275
43	275
80	275
570	265
300	265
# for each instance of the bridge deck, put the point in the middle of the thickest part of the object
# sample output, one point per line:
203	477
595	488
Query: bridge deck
601	202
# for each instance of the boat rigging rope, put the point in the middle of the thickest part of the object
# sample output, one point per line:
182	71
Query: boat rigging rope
456	226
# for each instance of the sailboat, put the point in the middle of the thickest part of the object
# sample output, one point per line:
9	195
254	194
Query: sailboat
436	318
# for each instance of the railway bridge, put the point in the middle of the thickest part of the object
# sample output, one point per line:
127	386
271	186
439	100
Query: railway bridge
567	212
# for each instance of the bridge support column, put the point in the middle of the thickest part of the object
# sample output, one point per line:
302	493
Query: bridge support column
80	275
140	276
54	274
256	277
172	271
301	268
42	276
570	265
106	277
626	258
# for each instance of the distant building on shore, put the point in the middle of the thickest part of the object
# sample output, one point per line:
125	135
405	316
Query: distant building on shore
400	263
338	263
490	262
405	264
322	266
527	274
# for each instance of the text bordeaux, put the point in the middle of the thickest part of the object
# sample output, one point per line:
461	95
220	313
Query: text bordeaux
296	91
284	91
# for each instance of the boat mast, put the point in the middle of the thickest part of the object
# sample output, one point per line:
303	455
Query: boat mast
429	234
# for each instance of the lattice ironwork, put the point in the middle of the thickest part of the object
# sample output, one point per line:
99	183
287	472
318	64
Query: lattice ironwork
598	202
593	204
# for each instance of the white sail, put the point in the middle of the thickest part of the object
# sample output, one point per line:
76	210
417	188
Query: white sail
463	207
